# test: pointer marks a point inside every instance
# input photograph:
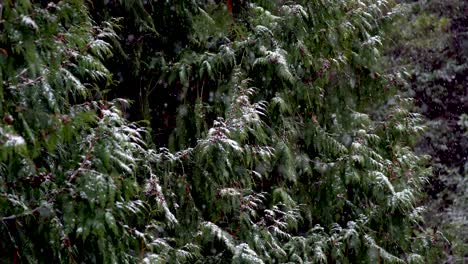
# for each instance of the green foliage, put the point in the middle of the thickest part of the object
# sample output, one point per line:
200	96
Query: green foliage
70	164
290	142
433	49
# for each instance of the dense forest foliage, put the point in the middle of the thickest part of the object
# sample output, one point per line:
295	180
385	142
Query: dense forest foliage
235	131
433	46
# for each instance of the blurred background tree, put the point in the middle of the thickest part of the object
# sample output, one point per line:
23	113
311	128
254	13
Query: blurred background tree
433	47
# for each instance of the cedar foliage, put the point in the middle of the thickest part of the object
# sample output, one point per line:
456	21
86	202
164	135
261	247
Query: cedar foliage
285	139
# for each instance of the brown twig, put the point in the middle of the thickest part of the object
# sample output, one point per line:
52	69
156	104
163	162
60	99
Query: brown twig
12	217
84	161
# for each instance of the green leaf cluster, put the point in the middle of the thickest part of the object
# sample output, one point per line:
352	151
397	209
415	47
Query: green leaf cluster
287	139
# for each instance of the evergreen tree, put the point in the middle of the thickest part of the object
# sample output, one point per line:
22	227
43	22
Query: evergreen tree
285	139
70	165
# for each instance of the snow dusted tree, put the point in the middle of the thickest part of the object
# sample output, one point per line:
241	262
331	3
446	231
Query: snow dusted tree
285	141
